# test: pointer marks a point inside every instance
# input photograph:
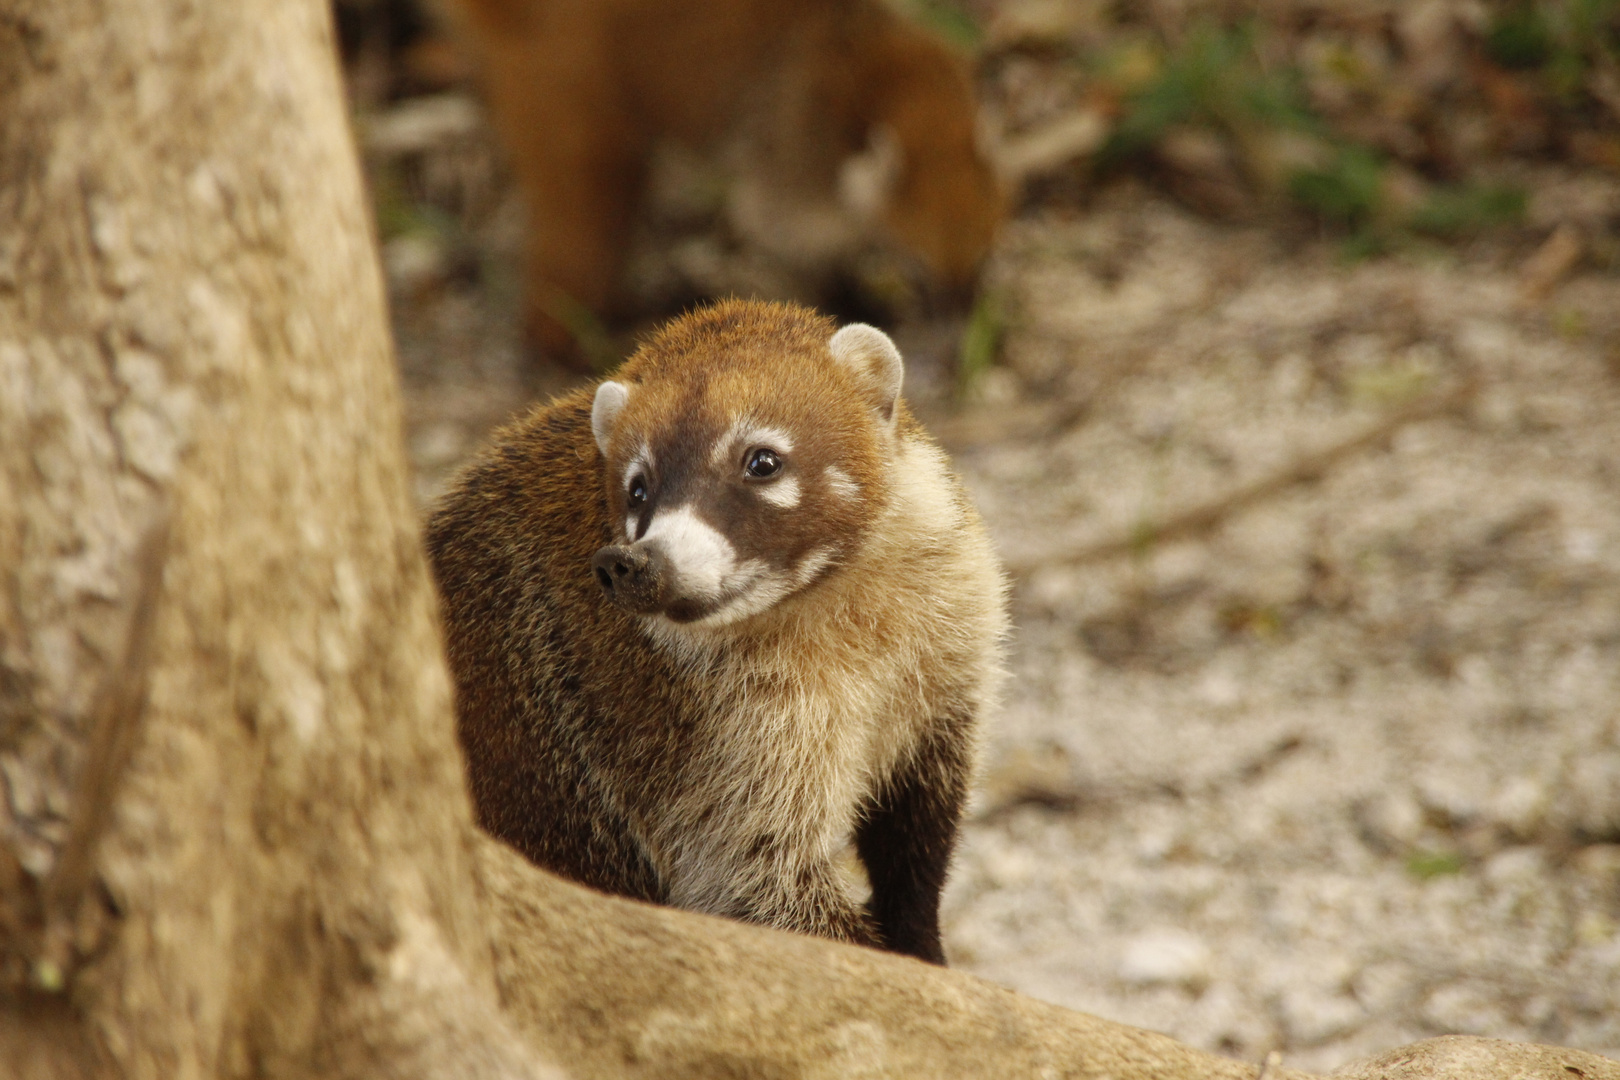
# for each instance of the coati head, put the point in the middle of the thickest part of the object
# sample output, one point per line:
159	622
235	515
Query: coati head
745	449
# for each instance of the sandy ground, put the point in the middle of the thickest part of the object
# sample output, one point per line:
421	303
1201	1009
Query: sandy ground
1339	766
1312	741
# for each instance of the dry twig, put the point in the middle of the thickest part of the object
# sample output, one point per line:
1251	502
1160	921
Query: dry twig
1205	516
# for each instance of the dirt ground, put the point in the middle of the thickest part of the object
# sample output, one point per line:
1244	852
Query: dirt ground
1312	741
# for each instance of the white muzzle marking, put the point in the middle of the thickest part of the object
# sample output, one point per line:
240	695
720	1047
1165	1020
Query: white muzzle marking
701	558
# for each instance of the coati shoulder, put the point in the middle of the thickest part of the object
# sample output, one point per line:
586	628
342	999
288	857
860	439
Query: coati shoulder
722	614
861	126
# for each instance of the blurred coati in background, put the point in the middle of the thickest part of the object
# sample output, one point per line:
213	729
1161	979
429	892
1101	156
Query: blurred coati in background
835	141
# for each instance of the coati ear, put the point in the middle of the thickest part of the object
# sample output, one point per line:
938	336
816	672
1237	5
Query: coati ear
610	398
875	362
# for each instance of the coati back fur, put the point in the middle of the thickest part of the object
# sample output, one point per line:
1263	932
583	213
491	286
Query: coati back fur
717	617
857	122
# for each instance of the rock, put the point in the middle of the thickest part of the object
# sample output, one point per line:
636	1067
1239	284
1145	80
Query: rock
412	262
1390	821
1169	956
1464	1007
1519	806
1311	1015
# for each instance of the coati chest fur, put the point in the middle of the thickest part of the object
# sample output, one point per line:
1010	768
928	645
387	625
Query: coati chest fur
721	615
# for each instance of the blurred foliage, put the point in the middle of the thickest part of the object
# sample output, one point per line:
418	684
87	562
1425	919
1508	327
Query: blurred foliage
981	340
1213	78
1216	78
1348	192
1465	208
950	20
1520	37
1427	865
401	211
1383	125
1561	40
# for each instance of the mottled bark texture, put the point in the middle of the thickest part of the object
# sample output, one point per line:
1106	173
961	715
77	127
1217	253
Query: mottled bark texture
234	836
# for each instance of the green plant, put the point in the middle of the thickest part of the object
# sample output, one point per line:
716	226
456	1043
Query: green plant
1520	37
1427	865
1461	209
1348	192
1213	78
1559	39
947	19
981	341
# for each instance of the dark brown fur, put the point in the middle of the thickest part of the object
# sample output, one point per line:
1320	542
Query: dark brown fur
578	730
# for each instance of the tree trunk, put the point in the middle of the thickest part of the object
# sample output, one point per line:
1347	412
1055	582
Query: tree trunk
234	839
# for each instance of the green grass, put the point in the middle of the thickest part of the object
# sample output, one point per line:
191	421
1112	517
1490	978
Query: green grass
1214	78
948	20
1217	78
1428	865
1349	192
1463	209
1559	40
981	341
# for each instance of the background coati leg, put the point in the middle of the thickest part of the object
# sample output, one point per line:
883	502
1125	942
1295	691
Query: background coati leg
587	199
905	841
579	157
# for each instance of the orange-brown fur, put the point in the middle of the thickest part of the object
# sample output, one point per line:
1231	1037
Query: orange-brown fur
582	90
721	767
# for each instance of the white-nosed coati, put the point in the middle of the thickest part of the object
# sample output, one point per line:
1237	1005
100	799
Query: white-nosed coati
858	124
720	616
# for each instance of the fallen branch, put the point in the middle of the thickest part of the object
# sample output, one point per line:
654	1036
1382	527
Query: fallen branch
1205	516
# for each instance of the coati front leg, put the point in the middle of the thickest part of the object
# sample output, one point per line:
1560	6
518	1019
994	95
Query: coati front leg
784	879
906	837
578	154
812	899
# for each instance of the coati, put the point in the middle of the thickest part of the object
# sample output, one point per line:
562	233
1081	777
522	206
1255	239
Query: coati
856	123
716	617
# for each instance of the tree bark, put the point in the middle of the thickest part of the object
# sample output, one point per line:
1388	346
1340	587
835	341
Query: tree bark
234	833
234	838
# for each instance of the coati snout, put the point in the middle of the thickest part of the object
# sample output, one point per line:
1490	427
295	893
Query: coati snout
720	617
729	496
632	576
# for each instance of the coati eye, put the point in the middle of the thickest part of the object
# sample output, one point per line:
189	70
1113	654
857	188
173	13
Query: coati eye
638	491
762	463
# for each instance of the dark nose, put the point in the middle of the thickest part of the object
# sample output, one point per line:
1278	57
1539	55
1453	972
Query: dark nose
632	577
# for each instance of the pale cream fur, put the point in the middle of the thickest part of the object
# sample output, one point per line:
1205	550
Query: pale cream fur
820	696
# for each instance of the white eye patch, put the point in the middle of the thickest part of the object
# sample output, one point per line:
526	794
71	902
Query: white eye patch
640	465
840	483
745	433
784	493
